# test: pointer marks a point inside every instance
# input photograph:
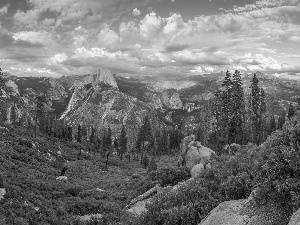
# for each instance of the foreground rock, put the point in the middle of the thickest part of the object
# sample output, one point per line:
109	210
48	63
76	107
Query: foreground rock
295	219
62	178
246	212
2	193
87	218
138	205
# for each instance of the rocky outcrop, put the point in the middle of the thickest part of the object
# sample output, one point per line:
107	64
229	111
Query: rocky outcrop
102	106
104	75
138	205
193	153
171	99
295	219
246	212
2	193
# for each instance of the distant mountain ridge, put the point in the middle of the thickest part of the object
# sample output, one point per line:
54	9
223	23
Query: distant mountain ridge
103	99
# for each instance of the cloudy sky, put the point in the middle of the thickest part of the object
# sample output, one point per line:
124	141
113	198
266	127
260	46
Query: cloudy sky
149	37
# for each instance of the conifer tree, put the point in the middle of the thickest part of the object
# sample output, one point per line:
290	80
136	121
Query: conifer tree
79	134
237	110
145	135
291	111
255	109
40	113
123	141
281	119
13	114
70	133
93	137
152	165
107	144
272	125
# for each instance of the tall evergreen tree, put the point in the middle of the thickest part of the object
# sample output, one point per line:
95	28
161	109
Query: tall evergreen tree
13	114
237	110
70	133
123	141
272	125
291	111
255	108
145	136
40	112
281	119
79	134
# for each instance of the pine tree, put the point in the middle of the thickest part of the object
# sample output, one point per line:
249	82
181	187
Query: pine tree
152	165
79	134
272	125
70	133
262	111
40	113
123	141
13	114
237	110
291	111
281	119
93	137
145	135
255	109
108	140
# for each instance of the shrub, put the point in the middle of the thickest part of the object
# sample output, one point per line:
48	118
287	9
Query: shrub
169	176
73	191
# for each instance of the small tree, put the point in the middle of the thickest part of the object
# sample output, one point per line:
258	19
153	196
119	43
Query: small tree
107	144
152	166
1	181
123	141
145	161
145	135
291	111
281	119
79	137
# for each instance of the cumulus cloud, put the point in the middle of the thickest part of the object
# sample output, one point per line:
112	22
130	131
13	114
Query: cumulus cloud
76	36
4	9
150	25
136	12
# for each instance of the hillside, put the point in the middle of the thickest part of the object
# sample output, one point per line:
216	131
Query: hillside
30	166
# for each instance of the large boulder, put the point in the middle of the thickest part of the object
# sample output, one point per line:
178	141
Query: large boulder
295	219
2	193
196	170
246	212
193	153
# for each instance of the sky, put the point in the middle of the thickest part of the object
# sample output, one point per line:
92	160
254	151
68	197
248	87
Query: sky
149	37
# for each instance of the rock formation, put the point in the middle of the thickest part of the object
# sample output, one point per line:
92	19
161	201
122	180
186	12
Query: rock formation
193	153
104	75
295	219
246	212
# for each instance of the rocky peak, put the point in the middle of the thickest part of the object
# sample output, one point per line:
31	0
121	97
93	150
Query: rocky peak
105	75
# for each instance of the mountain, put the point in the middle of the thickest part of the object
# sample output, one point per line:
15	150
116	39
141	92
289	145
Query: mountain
104	100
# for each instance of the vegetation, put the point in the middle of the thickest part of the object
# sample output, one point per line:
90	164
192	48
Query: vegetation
267	160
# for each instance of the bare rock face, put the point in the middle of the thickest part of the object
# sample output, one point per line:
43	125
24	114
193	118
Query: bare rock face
295	219
104	75
193	153
196	170
102	106
2	193
246	212
171	99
